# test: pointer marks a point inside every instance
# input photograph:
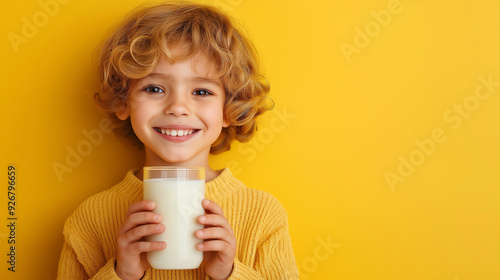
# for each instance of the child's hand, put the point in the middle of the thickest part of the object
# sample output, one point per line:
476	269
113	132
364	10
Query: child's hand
219	246
131	262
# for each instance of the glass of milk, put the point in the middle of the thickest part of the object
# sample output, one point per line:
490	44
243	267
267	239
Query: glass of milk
177	193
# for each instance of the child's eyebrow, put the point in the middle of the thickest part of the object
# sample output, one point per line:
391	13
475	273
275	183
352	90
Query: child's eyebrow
197	79
206	80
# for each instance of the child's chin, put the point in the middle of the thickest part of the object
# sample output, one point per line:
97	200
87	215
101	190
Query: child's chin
174	159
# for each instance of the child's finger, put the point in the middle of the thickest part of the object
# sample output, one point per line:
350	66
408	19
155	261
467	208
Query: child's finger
139	232
140	218
215	215
212	207
222	247
215	233
143	205
144	246
213	220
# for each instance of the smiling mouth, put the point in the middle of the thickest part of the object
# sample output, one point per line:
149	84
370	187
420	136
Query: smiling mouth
175	132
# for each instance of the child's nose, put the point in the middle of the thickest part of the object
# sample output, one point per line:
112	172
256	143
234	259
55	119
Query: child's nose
177	105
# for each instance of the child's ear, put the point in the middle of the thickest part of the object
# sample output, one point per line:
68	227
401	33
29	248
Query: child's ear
225	122
122	112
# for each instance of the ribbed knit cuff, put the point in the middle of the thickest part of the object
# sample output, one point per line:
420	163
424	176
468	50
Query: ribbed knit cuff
147	275
107	272
243	272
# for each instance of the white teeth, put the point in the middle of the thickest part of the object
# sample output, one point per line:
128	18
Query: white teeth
172	132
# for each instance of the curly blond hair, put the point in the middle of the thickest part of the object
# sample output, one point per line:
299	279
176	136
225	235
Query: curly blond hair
147	34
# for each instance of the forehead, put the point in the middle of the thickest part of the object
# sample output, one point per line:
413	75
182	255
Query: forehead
180	52
180	61
196	68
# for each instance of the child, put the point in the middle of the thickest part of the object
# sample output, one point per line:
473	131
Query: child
182	82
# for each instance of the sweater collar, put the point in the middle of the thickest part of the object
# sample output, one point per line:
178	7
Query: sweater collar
131	186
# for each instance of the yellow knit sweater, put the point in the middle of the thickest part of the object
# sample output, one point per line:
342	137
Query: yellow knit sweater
264	249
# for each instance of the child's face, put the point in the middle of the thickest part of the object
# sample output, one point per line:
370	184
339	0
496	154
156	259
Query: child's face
177	112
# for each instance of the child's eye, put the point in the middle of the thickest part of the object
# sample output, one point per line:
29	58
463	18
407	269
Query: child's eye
202	92
154	89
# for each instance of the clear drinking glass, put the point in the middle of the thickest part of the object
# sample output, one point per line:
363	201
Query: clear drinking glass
177	193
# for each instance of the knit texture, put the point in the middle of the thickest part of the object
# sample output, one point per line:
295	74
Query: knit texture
259	222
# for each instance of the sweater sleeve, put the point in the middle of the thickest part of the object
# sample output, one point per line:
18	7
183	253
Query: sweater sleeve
82	257
72	269
274	258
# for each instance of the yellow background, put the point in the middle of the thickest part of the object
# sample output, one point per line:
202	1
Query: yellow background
342	122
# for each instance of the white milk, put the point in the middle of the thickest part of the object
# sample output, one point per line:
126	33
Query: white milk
179	204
